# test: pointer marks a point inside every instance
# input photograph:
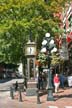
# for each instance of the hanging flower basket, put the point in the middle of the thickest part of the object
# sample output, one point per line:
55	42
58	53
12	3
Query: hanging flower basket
37	62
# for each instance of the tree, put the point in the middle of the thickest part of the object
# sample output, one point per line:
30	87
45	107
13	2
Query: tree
18	17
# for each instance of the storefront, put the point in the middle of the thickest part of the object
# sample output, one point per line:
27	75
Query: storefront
7	70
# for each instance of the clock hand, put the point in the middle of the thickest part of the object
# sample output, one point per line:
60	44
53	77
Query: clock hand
30	50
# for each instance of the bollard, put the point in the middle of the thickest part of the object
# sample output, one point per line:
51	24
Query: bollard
38	97
11	93
20	96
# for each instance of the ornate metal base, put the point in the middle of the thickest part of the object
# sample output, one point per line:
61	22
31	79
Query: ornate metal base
50	94
31	92
31	88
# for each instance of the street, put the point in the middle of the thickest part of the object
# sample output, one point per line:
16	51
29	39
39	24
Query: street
61	99
5	85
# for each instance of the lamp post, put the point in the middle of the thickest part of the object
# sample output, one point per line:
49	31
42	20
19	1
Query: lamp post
48	46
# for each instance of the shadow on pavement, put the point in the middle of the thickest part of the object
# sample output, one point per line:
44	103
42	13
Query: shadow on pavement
57	97
42	92
5	80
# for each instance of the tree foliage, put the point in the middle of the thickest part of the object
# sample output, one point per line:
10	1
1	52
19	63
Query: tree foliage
18	17
56	59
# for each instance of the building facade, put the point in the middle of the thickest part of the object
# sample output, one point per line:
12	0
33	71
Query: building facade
67	26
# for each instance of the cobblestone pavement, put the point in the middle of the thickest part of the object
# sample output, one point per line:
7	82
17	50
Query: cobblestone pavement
62	99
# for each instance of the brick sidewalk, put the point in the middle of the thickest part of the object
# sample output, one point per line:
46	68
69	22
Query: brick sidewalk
62	99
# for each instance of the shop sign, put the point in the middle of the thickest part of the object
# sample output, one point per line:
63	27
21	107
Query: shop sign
64	54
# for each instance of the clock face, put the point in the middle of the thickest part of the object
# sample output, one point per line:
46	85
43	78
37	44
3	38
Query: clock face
31	51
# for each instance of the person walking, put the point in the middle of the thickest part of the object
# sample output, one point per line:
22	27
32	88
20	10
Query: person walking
56	82
16	86
38	79
62	80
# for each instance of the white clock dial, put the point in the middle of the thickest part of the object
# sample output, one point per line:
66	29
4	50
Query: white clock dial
31	50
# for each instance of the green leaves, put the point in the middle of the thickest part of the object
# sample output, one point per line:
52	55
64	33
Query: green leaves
42	58
17	17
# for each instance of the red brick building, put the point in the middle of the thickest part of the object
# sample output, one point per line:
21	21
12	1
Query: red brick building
65	41
67	26
67	22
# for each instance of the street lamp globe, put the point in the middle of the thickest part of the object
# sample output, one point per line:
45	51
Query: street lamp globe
47	35
44	42
54	50
51	42
43	50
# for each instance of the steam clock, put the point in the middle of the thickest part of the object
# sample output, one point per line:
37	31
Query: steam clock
30	52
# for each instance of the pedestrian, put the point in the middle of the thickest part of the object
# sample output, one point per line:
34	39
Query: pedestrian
62	80
56	82
39	81
43	81
16	86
